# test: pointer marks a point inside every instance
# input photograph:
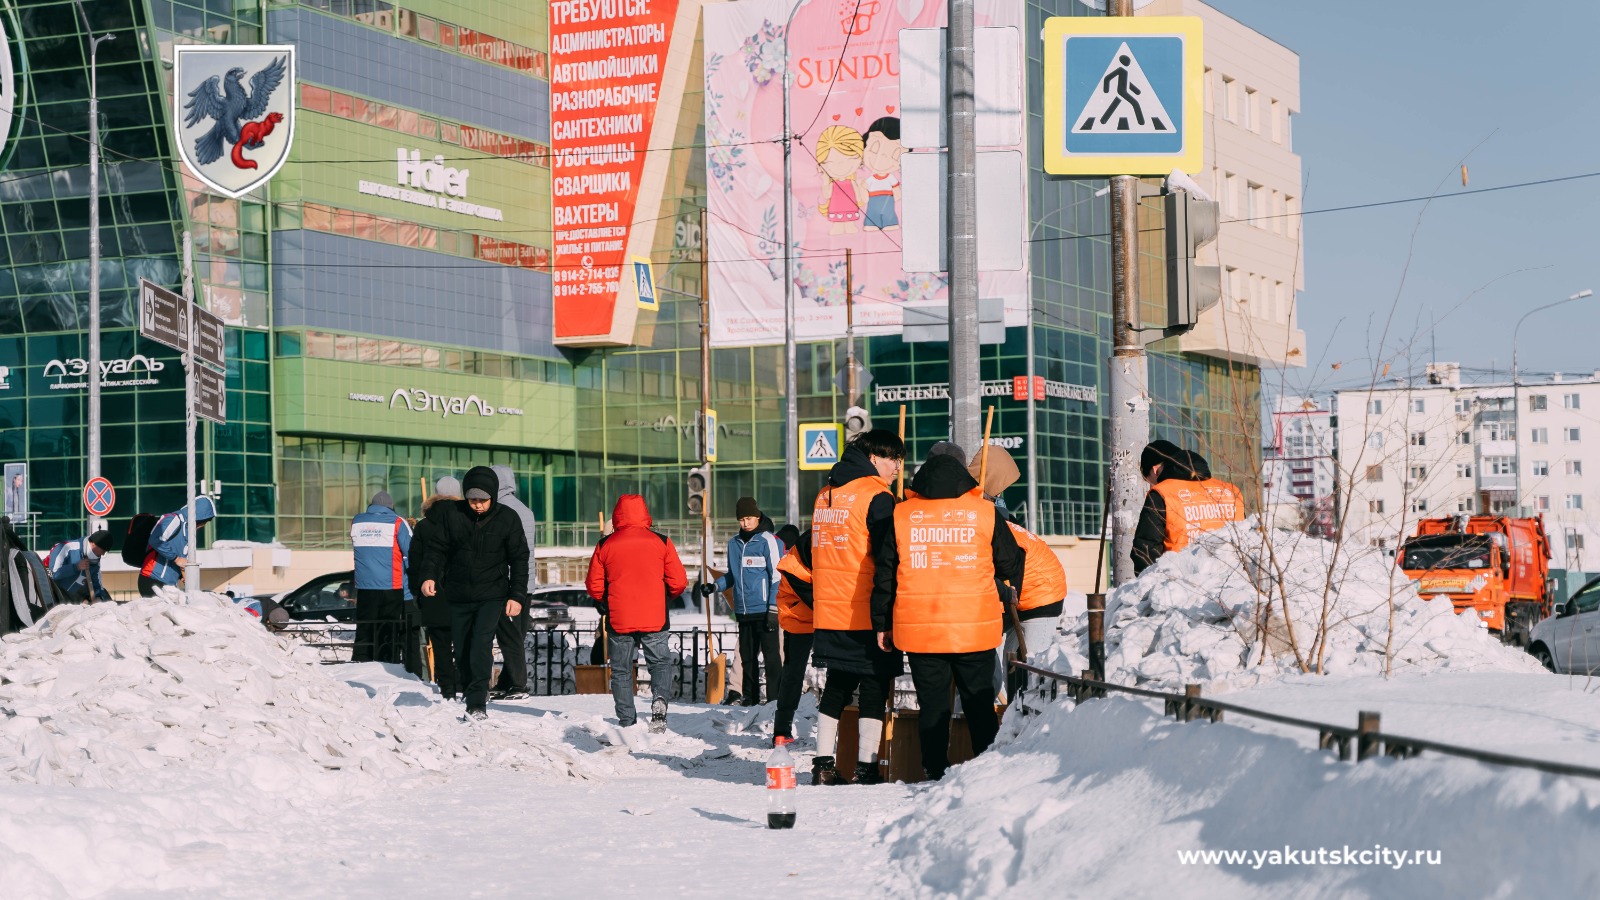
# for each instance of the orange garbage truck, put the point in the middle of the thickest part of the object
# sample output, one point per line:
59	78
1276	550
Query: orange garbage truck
1497	566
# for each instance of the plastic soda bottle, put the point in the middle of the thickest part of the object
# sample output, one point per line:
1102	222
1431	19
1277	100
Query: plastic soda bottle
780	786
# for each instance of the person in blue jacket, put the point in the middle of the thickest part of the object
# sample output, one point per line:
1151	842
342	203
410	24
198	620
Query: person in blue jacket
753	576
383	599
75	566
168	550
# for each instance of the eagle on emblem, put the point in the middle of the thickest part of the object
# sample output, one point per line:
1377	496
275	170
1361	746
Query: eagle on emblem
223	99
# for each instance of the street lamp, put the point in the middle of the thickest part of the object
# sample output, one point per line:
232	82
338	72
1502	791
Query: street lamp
1516	388
94	251
791	409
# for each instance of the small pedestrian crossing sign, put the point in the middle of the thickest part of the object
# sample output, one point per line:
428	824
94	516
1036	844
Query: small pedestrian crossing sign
1123	95
644	281
820	445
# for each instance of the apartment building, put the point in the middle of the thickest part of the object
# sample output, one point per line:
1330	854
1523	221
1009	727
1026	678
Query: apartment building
1298	467
1441	447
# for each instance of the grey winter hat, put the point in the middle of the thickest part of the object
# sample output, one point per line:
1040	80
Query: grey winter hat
382	498
448	485
948	448
478	494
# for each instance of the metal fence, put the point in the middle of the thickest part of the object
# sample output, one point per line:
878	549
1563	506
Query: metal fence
1366	739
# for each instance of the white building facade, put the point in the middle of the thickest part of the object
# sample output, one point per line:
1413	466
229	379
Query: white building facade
1298	467
1441	448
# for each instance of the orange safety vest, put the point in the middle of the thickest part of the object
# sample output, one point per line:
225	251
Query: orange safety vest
794	616
1195	507
1044	581
945	597
841	555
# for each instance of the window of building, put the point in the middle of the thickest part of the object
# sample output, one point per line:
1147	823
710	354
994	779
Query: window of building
1464	505
1225	99
1374	473
1375	440
1538	403
1256	210
1419	439
1291	220
1419	472
1463	470
1374	407
1574	540
1463	405
1571	435
1569	401
1502	465
1541	468
1574	501
1419	405
1574	467
1275	120
1540	436
1541	502
1375	506
1209	98
1250	114
1464	437
1419	505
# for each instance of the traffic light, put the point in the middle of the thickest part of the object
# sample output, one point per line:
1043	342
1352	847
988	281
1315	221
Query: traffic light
1191	289
699	490
856	421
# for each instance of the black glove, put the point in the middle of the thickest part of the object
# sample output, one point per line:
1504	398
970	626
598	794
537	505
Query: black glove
772	620
706	589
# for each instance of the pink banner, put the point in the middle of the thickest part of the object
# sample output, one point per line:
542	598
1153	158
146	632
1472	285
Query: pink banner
845	95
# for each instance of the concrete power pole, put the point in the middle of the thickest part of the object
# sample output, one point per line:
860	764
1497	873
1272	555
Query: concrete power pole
95	523
961	247
1128	373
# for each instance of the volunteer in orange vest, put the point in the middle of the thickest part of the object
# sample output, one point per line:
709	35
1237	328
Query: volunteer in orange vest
852	515
1044	581
934	595
1183	501
794	618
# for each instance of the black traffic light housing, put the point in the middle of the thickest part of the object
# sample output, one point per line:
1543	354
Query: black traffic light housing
699	484
1191	289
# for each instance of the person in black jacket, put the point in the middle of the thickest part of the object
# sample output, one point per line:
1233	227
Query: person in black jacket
1160	461
478	553
435	610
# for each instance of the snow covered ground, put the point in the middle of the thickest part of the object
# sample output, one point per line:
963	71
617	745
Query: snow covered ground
163	749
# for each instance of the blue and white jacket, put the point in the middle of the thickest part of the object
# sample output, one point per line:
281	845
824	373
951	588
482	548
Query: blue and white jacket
753	573
79	586
170	540
383	548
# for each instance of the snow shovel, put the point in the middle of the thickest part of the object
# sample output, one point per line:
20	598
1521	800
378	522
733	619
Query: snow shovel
716	666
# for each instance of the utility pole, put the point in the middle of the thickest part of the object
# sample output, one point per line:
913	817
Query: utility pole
849	331
791	403
94	255
191	572
961	248
705	407
1128	367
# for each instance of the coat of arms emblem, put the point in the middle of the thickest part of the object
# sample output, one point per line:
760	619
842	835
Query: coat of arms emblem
234	112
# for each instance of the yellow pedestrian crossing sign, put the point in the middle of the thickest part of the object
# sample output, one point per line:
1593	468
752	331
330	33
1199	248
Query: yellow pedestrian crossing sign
820	445
644	281
1123	96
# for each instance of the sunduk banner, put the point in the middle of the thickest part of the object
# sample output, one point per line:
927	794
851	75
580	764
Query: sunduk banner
845	95
617	75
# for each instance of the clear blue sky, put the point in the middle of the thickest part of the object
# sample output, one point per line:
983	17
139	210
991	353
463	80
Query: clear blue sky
1393	96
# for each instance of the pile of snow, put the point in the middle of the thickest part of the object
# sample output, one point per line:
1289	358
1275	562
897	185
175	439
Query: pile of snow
1242	605
110	694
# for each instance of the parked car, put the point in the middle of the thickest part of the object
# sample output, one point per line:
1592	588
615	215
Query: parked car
1569	641
685	607
333	595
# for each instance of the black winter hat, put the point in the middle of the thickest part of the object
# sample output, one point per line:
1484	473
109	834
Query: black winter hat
101	539
1174	460
746	507
789	535
483	480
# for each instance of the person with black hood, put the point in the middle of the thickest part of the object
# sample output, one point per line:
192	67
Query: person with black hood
1183	501
852	515
935	596
435	610
752	575
478	552
512	632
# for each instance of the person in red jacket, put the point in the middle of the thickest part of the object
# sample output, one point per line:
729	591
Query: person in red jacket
632	573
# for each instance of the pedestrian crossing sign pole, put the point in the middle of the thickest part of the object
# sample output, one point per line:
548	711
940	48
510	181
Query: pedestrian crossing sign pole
1123	96
820	445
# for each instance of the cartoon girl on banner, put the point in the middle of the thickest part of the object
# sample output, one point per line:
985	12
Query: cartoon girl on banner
839	150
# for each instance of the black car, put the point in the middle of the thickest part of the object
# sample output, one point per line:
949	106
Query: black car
334	596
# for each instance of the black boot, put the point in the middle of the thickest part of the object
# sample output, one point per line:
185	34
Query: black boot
867	773
822	771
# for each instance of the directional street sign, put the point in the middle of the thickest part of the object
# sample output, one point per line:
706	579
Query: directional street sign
163	316
1122	96
99	497
210	400
208	341
820	445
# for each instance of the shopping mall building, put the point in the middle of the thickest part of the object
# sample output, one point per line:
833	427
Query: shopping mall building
394	298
